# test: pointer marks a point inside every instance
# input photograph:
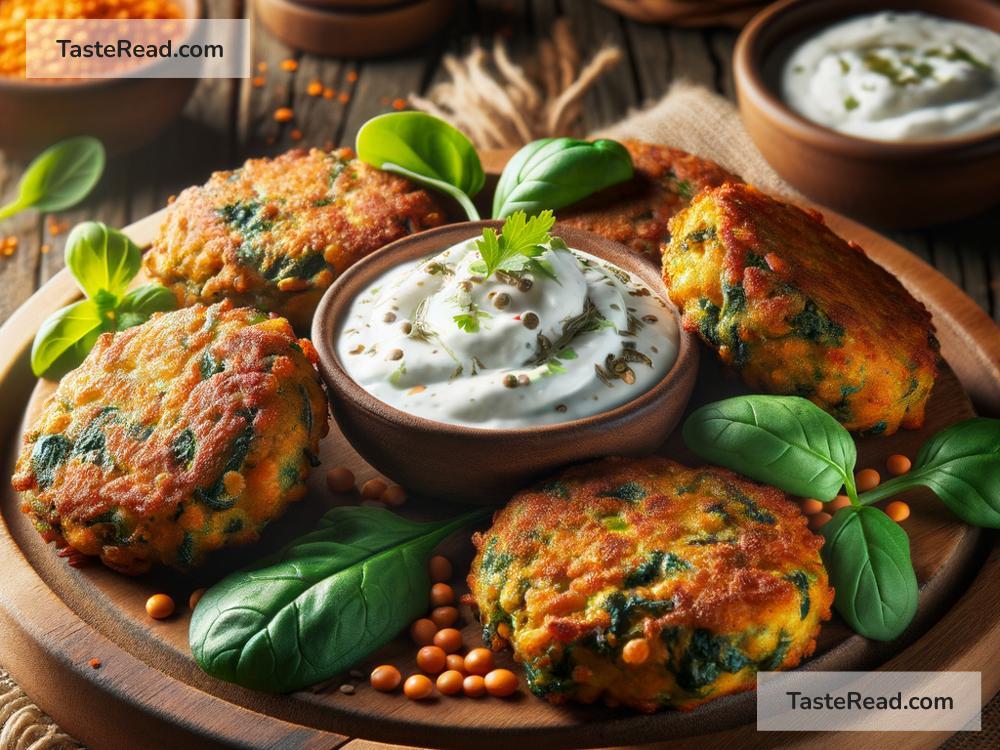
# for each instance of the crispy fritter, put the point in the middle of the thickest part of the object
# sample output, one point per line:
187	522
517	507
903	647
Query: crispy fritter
275	233
716	576
797	310
175	438
637	212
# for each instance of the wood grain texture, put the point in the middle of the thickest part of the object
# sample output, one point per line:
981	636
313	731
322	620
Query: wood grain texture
63	617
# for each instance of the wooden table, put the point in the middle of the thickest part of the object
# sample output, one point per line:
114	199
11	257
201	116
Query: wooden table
227	121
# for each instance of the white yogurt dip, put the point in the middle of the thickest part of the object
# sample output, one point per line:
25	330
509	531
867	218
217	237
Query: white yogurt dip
435	339
897	77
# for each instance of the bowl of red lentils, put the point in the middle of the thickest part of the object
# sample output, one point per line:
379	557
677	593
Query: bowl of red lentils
124	113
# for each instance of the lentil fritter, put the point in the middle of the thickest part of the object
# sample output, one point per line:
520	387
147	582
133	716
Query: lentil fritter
174	438
649	584
637	212
275	233
797	310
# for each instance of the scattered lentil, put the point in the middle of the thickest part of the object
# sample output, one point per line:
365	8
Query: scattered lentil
283	114
898	511
296	134
315	88
258	82
289	65
449	640
373	489
474	686
840	501
347	689
94	663
450	682
159	606
195	598
444	617
819	520
500	683
340	479
867	479
898	464
385	678
399	104
811	506
394	495
417	687
479	661
442	594
455	663
422	631
440	569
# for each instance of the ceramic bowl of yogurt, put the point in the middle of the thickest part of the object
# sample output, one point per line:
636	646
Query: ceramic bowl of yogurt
888	111
462	383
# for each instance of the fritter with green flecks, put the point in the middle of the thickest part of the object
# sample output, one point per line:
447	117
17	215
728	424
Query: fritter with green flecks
275	233
637	213
799	311
175	438
649	584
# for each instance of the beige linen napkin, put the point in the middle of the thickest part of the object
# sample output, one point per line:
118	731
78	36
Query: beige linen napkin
694	119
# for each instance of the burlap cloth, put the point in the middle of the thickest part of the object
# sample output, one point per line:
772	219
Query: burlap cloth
688	117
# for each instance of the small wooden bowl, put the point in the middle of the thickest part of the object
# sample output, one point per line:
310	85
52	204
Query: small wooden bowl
123	113
359	32
486	465
895	184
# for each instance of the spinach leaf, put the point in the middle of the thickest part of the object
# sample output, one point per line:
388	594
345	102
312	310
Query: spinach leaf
65	338
554	172
136	306
424	149
867	556
961	465
784	441
101	259
59	177
322	603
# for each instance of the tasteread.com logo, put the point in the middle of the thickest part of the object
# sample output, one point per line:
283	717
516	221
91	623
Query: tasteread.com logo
139	48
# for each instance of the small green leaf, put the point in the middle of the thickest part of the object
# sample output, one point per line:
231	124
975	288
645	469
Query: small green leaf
867	556
961	465
60	177
785	441
320	605
65	338
555	172
425	149
101	259
136	306
520	241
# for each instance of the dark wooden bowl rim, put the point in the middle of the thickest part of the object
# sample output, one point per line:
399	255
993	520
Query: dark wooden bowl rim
750	54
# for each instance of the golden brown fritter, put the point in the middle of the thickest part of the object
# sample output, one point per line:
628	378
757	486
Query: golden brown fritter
275	233
175	438
649	583
637	212
797	310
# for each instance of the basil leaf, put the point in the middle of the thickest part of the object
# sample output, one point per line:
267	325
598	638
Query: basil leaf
867	556
784	441
65	338
961	465
426	150
557	172
322	603
101	259
136	306
60	177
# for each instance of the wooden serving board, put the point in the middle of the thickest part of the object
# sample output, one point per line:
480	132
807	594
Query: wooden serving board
54	619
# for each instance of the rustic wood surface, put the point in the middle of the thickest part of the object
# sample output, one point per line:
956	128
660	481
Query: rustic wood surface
228	121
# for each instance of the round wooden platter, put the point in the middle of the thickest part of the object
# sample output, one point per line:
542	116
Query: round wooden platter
54	619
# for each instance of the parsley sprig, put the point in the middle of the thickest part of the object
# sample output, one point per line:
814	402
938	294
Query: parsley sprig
517	247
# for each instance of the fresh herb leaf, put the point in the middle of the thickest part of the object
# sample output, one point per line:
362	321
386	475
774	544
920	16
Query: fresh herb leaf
520	239
785	441
136	306
320	605
867	556
961	465
66	337
101	259
555	172
469	322
59	177
426	150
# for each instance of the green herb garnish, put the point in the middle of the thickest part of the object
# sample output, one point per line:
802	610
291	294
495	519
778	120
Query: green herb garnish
792	444
103	261
517	247
60	177
850	103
